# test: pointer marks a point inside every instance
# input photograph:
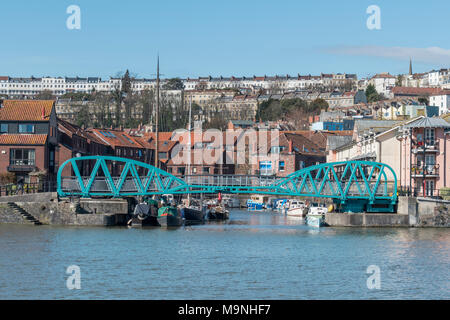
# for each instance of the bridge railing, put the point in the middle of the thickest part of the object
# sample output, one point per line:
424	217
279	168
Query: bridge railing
101	185
231	180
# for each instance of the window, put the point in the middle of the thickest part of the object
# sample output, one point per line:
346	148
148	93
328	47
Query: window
52	158
265	167
26	128
429	136
277	150
4	128
302	164
429	187
281	166
206	170
430	160
22	157
162	155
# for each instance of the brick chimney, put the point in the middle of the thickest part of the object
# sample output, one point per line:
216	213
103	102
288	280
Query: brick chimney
290	146
43	113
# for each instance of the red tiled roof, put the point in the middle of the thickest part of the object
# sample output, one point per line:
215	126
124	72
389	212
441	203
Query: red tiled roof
163	146
116	138
70	129
415	91
23	139
161	135
26	110
383	75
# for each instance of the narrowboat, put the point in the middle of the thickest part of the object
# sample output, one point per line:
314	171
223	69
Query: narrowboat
169	216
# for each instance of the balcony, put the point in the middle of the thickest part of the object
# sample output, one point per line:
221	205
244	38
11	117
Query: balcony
430	146
21	166
430	171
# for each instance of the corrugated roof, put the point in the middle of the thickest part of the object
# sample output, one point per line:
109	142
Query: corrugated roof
335	142
23	139
429	123
26	110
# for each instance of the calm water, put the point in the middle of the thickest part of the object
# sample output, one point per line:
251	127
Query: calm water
252	256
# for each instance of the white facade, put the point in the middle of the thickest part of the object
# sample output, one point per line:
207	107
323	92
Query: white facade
442	101
383	83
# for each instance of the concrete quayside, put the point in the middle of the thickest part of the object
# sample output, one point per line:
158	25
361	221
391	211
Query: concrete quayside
48	209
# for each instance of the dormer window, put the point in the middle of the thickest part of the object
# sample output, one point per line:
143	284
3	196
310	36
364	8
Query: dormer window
26	128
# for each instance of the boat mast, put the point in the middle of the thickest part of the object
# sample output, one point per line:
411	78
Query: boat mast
157	117
189	145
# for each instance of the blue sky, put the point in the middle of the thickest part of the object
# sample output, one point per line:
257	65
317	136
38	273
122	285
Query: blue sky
209	37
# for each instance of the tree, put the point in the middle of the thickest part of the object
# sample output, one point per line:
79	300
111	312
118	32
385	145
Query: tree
423	100
174	84
399	81
318	105
118	98
83	118
45	95
273	110
102	101
146	99
372	94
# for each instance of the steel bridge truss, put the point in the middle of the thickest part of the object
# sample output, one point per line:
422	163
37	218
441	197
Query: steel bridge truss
365	182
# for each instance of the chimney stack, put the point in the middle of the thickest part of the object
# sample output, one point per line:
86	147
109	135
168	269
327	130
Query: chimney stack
290	146
43	113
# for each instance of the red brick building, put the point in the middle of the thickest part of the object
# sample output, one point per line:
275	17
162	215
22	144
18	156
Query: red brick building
291	153
28	139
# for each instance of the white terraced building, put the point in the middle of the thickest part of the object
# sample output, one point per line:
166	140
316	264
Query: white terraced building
27	87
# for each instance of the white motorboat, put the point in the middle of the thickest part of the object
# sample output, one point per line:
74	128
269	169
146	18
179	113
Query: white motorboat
296	208
316	215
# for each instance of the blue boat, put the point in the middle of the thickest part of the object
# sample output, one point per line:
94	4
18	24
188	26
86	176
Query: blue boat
257	203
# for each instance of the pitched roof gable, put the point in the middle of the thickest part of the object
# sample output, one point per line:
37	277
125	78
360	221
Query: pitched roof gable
26	110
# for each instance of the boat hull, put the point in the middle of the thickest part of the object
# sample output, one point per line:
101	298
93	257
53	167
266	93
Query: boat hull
218	214
297	212
170	221
315	221
148	221
193	215
254	206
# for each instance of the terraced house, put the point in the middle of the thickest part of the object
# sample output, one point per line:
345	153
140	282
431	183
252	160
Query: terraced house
28	139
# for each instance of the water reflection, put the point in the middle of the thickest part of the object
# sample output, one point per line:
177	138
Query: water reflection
251	256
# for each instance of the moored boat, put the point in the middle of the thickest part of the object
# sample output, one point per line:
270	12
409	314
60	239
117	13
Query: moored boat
144	215
257	203
218	213
316	216
296	208
192	214
169	217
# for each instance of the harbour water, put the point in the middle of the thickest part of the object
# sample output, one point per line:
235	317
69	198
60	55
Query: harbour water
251	256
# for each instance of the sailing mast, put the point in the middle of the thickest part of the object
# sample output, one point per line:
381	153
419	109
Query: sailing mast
189	145
157	117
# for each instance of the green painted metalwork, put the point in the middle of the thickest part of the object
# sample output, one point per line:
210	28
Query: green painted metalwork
342	181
